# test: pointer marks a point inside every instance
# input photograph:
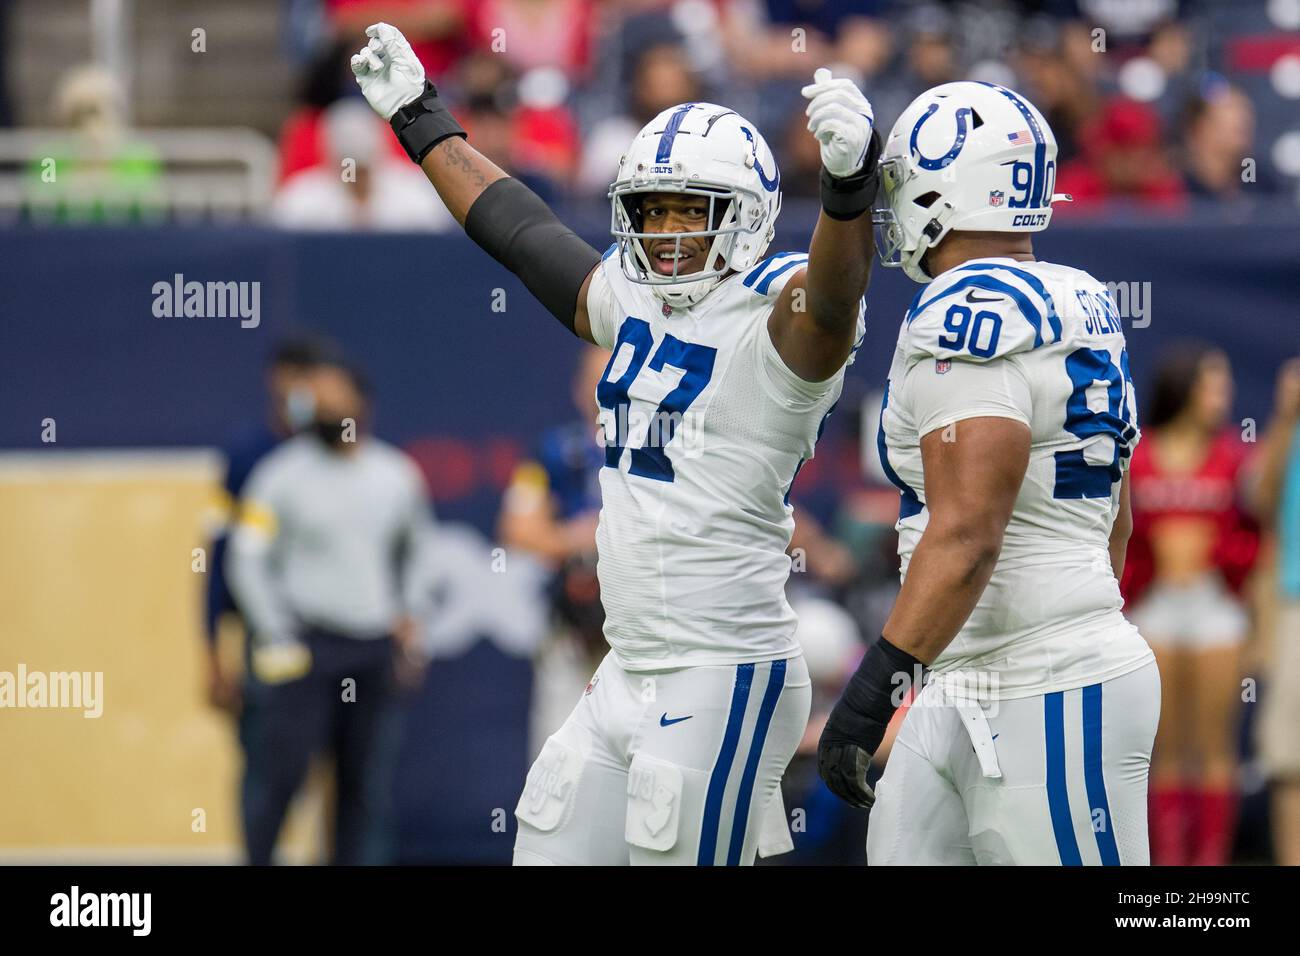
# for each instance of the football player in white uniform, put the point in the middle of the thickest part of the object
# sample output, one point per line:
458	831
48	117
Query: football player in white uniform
724	365
1008	424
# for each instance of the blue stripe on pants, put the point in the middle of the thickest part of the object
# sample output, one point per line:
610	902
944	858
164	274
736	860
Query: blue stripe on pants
1096	780
775	684
722	769
1058	799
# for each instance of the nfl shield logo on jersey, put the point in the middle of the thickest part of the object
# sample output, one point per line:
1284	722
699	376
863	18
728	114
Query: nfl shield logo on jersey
995	197
941	366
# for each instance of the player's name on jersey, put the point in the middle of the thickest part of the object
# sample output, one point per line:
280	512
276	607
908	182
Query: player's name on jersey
1102	316
1106	310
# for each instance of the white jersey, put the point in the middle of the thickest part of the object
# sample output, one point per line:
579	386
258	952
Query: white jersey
705	428
1042	344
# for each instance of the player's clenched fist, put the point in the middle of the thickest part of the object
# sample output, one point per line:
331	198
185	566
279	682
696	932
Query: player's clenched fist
843	767
387	70
841	119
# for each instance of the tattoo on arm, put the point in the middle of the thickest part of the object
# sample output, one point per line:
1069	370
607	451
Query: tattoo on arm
454	156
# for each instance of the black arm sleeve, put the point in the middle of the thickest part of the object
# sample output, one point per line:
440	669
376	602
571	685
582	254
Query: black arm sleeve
518	230
874	692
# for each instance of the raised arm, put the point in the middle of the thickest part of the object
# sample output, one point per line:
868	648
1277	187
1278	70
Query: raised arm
506	218
814	324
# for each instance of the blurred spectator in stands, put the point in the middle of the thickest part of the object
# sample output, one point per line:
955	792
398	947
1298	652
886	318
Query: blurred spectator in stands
759	50
441	31
928	59
328	79
1143	51
550	511
1191	551
553	502
547	147
1123	158
529	34
800	159
1218	133
99	171
1170	49
1062	93
484	91
790	38
520	123
292	405
662	77
1127	24
1277	495
815	551
361	185
324	564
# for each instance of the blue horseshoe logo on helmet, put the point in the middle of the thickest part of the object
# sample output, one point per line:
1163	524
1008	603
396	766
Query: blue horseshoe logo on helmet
768	184
925	162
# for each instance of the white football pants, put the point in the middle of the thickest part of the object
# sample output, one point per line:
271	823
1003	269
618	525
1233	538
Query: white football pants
667	767
1055	779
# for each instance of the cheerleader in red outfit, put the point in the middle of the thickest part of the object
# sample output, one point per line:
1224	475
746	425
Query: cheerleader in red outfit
1191	549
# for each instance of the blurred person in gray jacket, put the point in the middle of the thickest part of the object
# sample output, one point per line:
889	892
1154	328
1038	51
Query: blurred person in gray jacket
321	565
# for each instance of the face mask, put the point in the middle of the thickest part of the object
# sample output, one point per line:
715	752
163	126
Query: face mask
299	408
331	433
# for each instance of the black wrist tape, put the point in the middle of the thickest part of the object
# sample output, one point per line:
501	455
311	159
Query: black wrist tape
512	224
424	123
874	692
849	197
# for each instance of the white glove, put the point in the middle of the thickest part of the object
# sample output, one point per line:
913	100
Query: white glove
387	70
841	119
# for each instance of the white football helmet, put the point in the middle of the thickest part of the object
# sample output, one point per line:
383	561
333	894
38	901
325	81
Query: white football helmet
706	150
968	156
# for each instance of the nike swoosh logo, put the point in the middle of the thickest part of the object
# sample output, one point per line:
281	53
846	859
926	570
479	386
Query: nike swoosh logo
972	297
666	721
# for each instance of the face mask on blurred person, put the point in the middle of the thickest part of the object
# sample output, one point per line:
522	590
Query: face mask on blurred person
299	408
333	433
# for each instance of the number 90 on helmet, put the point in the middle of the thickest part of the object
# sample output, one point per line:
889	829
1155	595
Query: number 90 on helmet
706	150
964	156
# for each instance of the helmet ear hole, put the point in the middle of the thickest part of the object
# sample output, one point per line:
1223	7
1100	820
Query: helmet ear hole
926	200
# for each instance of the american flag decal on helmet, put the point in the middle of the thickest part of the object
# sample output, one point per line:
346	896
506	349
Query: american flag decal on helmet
1020	138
